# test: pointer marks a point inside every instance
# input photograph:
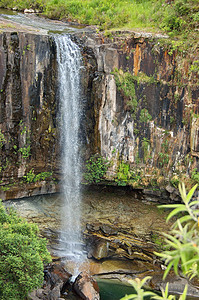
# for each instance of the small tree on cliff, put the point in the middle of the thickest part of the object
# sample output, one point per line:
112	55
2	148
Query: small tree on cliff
22	255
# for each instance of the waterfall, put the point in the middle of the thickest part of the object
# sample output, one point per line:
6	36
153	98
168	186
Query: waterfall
69	93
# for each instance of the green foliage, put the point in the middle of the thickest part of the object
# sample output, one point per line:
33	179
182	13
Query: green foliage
145	116
127	176
136	176
105	13
96	168
172	119
138	285
195	176
183	239
32	177
23	254
144	78
23	4
4	188
175	181
25	151
195	67
123	174
125	83
163	159
183	245
157	239
6	164
28	47
165	144
179	16
175	17
174	46
189	206
2	139
145	147
42	176
166	296
29	177
23	127
145	143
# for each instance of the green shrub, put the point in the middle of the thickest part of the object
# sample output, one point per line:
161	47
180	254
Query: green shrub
195	65
183	245
23	254
32	177
123	174
146	148
175	181
2	139
179	17
125	83
25	151
145	116
183	239
96	168
163	159
195	176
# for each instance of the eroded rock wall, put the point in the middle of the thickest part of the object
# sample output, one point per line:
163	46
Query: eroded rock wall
158	135
140	108
28	122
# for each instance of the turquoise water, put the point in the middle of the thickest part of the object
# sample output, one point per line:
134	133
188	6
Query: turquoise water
113	290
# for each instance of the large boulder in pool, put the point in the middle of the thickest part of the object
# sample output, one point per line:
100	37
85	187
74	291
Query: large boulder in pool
86	287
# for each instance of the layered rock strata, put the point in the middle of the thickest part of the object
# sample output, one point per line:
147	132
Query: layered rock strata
140	103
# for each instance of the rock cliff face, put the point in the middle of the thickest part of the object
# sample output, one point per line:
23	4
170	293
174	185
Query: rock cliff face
147	97
140	101
28	124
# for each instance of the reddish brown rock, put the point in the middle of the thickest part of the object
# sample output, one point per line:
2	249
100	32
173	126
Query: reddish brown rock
86	287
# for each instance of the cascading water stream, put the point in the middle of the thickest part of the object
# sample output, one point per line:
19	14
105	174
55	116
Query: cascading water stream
69	66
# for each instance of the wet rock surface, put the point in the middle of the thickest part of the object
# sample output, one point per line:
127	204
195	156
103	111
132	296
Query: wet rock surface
120	235
86	287
114	225
176	284
55	277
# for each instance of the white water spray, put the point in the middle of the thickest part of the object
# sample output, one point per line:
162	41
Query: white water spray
69	66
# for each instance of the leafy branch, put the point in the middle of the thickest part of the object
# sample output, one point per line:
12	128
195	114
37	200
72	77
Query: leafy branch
182	243
138	285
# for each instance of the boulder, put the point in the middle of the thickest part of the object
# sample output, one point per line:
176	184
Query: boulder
86	287
170	189
57	273
33	296
29	11
55	276
109	230
100	249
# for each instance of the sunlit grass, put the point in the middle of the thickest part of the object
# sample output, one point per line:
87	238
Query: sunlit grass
180	18
105	13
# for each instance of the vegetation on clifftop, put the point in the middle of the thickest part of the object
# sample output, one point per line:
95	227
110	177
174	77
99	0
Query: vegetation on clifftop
175	17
